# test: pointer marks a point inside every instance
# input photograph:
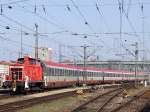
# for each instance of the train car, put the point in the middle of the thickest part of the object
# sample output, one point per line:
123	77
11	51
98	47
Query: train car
4	72
28	73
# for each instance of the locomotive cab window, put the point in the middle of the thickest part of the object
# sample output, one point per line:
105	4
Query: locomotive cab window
21	60
32	61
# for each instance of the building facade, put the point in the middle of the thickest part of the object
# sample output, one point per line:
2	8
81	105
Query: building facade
45	54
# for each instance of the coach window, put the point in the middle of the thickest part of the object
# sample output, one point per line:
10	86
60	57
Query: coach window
74	73
52	71
79	73
95	74
66	72
107	74
104	74
62	72
113	75
59	73
92	74
49	71
88	73
71	73
99	74
55	71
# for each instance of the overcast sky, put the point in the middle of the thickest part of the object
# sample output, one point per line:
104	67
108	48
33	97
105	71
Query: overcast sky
66	22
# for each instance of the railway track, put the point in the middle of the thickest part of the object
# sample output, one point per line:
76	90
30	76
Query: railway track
14	106
98	103
5	96
135	104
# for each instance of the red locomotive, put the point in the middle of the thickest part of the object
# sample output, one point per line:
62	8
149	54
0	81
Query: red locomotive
28	73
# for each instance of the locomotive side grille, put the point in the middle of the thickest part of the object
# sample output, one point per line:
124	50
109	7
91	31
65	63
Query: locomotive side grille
16	73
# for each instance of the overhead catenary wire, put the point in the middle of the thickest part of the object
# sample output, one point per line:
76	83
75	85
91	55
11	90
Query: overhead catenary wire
101	15
89	5
99	35
16	22
10	27
15	2
129	7
85	20
141	5
130	23
43	18
14	41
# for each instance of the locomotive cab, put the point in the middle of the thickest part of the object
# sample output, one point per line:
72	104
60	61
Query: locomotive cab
25	74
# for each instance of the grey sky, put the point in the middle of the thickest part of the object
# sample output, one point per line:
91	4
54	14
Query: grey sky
59	19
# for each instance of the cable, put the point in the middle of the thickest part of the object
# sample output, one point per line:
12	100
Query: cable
85	20
130	23
43	18
89	5
14	41
10	19
15	2
101	15
129	7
